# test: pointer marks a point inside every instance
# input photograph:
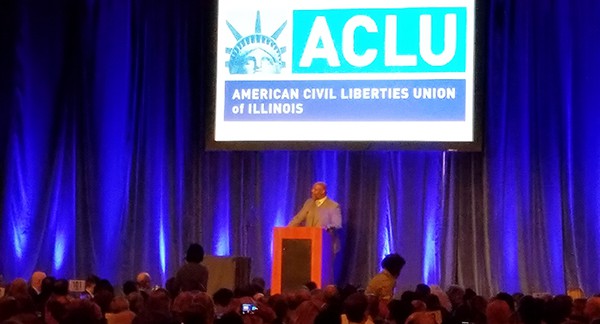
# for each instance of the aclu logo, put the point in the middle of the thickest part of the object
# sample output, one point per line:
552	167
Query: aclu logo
380	40
256	53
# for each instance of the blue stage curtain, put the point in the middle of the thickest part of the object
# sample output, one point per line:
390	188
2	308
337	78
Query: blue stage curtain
103	168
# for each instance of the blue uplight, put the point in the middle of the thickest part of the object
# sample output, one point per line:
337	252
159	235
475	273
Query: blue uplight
59	251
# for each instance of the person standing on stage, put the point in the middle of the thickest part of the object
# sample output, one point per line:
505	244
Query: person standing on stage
320	211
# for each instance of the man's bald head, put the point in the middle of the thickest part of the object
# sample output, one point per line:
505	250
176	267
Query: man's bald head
319	190
143	280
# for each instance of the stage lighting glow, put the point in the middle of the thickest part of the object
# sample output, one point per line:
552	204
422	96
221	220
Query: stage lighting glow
222	246
19	241
59	251
430	261
162	250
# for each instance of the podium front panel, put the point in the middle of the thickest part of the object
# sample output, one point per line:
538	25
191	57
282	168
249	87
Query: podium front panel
296	264
300	255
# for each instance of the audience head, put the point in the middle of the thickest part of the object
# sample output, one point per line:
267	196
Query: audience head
129	286
558	309
143	280
456	295
171	287
432	301
421	318
279	305
393	263
193	306
355	307
104	294
469	293
61	287
260	282
409	296
399	310
531	310
300	296
104	285
508	299
311	285
90	282
374	310
223	297
347	290
479	306
257	291
136	302
17	288
48	285
592	308
328	316
517	297
55	309
119	304
24	304
419	305
36	280
578	306
81	311
195	253
159	301
575	293
330	292
498	312
422	290
443	298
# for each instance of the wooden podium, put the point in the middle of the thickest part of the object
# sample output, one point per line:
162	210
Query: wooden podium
300	255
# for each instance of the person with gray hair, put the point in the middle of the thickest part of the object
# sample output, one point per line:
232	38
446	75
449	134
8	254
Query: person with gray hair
35	290
143	281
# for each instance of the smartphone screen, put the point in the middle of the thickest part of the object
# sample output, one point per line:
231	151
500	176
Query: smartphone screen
248	309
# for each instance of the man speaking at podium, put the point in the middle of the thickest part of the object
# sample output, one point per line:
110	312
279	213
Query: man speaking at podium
320	211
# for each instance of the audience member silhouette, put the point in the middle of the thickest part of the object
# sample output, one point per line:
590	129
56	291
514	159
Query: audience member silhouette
193	275
384	283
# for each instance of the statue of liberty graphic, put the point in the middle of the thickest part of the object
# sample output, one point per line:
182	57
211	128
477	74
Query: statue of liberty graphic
255	53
